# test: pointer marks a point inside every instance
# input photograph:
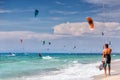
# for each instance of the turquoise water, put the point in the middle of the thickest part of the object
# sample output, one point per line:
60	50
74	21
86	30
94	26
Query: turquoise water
19	65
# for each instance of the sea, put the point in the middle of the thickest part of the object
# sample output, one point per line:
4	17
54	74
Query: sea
51	66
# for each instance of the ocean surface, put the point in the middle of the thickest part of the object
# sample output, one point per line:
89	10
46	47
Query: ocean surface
52	66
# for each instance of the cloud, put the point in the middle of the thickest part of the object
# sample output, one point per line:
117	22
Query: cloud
59	3
108	9
28	35
64	12
29	24
15	11
111	29
64	4
110	14
5	11
70	28
9	23
28	21
56	18
68	34
108	2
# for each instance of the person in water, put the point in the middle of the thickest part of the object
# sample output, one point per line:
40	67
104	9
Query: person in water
40	55
106	58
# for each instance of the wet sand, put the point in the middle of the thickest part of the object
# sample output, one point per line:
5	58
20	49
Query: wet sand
115	72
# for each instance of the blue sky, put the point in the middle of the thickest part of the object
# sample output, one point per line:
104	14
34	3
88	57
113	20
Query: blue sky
62	22
50	13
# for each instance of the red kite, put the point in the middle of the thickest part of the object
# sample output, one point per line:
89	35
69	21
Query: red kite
90	22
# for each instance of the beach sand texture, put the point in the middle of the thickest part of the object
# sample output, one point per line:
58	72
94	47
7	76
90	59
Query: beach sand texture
115	73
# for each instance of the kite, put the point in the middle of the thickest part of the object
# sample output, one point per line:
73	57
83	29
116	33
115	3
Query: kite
49	43
21	40
43	42
36	13
90	22
64	45
102	34
74	47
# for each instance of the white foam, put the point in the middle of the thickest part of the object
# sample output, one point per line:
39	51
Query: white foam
75	72
47	57
75	62
113	55
116	60
11	55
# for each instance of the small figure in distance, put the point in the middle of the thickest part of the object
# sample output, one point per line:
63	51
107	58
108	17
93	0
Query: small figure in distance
40	55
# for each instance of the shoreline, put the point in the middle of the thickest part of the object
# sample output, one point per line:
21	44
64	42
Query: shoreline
115	72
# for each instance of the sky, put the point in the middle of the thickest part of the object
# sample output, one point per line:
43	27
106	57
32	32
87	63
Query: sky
61	22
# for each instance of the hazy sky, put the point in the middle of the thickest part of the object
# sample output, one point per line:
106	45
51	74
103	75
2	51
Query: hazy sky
61	22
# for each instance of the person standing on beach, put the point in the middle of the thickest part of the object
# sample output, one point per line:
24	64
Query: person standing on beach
106	58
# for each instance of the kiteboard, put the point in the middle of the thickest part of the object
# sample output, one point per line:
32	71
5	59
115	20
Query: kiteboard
101	66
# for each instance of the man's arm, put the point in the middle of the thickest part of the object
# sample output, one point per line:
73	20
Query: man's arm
103	55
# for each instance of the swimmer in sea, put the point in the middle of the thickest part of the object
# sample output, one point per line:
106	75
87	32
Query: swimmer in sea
40	55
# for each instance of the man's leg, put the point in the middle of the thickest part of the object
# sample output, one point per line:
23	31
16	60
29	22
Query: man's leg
109	68
105	69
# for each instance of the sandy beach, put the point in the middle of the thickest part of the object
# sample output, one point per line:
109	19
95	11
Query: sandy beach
115	72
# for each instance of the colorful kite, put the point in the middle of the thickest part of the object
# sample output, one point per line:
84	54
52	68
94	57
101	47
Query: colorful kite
90	22
36	13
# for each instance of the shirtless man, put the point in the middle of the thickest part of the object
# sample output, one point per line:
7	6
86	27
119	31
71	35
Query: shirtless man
106	58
